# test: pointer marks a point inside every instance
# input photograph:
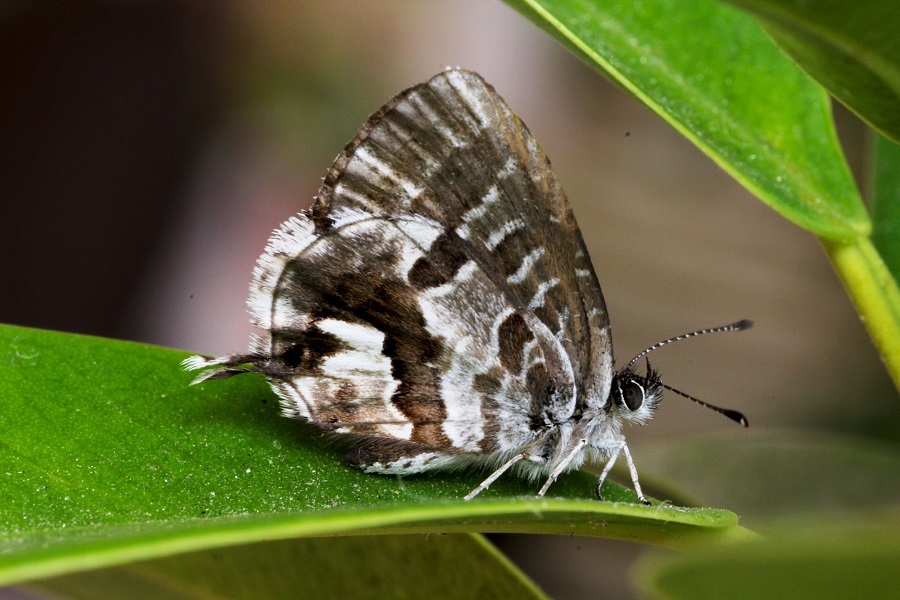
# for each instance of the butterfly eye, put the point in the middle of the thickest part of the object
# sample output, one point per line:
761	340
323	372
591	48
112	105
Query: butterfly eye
633	395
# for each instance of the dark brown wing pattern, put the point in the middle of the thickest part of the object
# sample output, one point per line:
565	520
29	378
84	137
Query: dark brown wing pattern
453	151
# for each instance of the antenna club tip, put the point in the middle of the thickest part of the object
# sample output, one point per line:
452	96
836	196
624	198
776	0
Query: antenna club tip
743	324
735	416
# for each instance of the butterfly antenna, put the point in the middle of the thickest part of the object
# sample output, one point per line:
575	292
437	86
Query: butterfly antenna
734	415
739	326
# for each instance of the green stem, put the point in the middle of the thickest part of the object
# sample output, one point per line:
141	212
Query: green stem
875	294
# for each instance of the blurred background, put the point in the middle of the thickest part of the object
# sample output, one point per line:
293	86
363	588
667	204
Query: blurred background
147	150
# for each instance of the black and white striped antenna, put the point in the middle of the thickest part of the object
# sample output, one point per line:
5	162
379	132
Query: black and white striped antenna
738	326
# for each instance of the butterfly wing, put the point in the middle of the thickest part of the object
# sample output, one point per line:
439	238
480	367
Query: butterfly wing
451	150
362	342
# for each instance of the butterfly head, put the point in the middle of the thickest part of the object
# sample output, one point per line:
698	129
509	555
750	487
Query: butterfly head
635	396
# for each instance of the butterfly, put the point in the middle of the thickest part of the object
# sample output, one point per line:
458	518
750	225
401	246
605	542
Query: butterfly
437	304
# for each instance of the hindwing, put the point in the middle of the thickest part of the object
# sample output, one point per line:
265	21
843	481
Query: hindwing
385	327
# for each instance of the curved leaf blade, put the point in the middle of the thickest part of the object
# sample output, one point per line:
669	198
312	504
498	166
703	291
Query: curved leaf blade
823	473
851	48
394	566
111	457
820	559
711	73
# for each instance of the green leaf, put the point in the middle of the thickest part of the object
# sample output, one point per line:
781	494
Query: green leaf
710	71
782	472
393	566
851	48
109	456
819	560
886	201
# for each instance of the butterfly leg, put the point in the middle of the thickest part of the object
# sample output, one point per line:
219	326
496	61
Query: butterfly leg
606	470
622	447
493	477
634	476
562	466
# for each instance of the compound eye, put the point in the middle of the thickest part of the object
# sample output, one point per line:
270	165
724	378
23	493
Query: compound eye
633	395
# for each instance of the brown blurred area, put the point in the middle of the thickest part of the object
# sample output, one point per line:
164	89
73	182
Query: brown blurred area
147	149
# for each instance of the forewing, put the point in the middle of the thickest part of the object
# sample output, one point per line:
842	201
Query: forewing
451	150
